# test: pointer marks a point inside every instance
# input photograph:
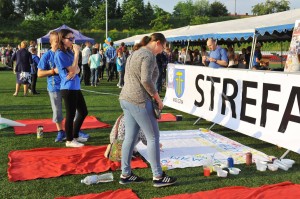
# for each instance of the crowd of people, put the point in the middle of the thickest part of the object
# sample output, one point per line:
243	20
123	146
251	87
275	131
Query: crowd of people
141	75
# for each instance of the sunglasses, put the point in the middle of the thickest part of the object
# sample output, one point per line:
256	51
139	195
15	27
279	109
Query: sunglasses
71	39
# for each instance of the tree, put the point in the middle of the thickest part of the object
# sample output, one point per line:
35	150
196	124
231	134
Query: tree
162	19
85	6
149	12
184	10
111	8
218	9
202	8
119	13
6	9
270	6
199	20
133	13
99	19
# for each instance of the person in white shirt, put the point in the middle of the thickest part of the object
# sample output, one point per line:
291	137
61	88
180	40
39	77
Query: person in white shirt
85	75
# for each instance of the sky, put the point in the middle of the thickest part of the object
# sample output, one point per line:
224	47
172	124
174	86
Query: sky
242	6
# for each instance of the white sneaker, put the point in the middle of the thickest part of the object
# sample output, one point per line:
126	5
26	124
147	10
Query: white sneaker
81	139
73	143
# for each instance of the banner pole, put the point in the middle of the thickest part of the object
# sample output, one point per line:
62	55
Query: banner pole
285	153
197	120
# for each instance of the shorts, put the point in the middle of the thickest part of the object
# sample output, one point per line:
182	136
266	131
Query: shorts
56	104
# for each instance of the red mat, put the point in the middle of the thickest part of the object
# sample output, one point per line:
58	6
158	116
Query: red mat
286	190
54	162
167	117
90	122
120	194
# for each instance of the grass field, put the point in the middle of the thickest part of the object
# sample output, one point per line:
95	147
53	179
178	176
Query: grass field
107	109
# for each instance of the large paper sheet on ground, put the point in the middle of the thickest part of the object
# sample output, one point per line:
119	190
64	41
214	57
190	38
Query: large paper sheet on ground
261	104
191	148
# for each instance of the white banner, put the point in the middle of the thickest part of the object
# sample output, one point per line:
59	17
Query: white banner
261	104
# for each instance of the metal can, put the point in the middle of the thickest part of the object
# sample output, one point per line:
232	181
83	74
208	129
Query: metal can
230	162
248	158
40	132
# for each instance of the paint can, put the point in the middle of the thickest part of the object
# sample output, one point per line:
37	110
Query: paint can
230	162
40	132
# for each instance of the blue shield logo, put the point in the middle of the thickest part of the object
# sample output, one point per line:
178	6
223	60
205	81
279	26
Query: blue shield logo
179	77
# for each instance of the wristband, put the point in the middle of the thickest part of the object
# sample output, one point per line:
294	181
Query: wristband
53	72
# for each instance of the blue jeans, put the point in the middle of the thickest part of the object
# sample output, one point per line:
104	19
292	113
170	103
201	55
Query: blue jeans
136	118
94	76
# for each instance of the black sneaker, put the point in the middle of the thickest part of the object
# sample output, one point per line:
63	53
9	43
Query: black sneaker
130	179
164	181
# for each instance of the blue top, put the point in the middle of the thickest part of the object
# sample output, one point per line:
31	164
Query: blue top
120	64
47	63
110	54
257	54
218	54
35	62
63	60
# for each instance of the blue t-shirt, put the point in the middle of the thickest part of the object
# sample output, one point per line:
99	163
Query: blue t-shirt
257	54
63	60
218	54
35	62
47	63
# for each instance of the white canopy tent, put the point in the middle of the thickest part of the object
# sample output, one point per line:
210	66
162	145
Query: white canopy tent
265	27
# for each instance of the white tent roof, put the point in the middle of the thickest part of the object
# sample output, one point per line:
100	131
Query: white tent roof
239	29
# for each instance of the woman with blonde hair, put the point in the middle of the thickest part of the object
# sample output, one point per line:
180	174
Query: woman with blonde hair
24	62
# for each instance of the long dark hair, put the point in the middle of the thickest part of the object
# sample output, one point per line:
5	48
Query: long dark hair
62	35
154	37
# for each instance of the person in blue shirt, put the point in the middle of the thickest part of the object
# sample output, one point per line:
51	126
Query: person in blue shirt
257	56
67	63
47	68
35	62
217	57
110	55
120	68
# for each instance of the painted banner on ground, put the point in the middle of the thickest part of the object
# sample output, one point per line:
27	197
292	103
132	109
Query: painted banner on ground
262	104
191	148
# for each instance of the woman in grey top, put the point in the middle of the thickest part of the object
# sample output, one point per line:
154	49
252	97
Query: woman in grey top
135	99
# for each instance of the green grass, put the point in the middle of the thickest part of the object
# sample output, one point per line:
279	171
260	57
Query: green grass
107	109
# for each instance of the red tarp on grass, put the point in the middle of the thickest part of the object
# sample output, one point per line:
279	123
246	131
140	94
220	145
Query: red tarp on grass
90	122
286	190
167	117
120	194
54	162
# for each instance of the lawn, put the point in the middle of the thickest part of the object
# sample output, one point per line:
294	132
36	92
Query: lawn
106	108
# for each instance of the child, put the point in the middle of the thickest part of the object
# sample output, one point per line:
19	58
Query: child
120	68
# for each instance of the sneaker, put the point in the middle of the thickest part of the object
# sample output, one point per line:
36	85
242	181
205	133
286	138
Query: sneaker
81	139
164	181
61	135
73	143
130	179
83	135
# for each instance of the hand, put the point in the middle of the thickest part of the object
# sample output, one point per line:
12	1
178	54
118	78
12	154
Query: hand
56	70
76	48
71	75
160	104
212	59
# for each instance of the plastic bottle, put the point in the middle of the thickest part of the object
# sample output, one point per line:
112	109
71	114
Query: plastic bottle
95	179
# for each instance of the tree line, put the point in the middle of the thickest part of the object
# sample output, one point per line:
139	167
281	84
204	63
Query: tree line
33	18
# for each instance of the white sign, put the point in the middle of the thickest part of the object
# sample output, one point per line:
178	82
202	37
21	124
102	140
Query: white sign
261	104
